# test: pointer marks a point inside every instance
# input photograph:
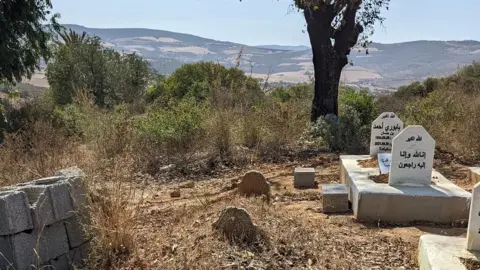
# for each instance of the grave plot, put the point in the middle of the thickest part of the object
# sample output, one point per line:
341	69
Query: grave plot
443	252
410	189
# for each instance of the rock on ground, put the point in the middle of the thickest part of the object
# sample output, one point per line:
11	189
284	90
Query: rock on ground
254	184
235	223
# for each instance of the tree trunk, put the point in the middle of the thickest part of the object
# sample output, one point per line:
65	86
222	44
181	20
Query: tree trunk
328	68
328	63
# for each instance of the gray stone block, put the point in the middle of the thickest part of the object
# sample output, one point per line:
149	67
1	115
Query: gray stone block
41	205
335	198
75	233
76	257
52	241
304	178
49	203
71	172
45	181
60	263
14	212
18	251
77	192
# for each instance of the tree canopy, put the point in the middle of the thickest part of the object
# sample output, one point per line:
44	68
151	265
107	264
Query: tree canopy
25	31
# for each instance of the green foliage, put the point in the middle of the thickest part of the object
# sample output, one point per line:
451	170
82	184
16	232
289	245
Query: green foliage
174	129
446	107
470	71
72	119
350	131
24	37
82	63
210	82
292	93
362	101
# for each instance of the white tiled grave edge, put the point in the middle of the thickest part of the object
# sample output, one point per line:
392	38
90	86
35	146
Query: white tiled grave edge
383	130
442	202
474	174
442	252
438	252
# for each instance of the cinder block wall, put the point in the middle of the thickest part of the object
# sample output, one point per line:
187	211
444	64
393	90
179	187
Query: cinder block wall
39	223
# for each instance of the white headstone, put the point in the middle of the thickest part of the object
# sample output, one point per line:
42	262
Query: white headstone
473	233
412	157
384	129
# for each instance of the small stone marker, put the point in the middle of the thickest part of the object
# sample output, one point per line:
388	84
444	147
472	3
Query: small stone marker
412	157
254	184
335	198
304	178
473	233
384	160
236	224
384	129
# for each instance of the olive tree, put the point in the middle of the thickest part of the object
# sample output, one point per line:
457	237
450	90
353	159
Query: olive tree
25	31
334	28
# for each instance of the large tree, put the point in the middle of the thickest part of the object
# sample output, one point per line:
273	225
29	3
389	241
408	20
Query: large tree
334	28
25	32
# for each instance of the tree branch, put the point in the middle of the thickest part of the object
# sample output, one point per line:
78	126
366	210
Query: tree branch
349	30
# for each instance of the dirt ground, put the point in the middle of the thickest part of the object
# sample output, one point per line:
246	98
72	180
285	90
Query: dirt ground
176	233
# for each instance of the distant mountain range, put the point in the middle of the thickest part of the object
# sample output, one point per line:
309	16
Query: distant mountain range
285	48
387	66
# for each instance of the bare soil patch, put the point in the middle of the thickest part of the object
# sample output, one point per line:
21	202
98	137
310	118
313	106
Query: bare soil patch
177	233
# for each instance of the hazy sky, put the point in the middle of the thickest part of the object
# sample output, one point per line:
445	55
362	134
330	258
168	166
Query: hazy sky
256	22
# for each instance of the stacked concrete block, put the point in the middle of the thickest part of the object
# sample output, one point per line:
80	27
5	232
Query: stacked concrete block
335	198
304	178
39	223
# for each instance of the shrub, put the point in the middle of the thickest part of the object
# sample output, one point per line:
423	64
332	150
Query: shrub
173	132
350	131
213	83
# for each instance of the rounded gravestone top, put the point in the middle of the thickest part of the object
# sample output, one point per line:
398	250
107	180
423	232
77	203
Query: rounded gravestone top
384	129
412	157
254	184
236	224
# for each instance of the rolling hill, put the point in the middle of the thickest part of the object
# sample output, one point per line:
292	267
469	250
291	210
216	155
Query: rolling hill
387	66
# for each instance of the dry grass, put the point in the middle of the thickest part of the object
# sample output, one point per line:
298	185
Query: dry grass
177	233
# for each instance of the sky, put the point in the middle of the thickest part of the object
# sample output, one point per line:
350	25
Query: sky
261	22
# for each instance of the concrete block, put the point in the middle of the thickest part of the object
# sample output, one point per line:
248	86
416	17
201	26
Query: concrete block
76	257
304	178
45	181
335	198
438	252
75	232
18	251
71	172
52	241
70	261
77	192
40	204
441	202
50	202
14	212
60	263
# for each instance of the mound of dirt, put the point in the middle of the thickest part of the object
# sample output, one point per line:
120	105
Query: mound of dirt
236	224
369	163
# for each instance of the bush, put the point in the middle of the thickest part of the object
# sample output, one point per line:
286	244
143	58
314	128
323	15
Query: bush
213	83
350	131
173	132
